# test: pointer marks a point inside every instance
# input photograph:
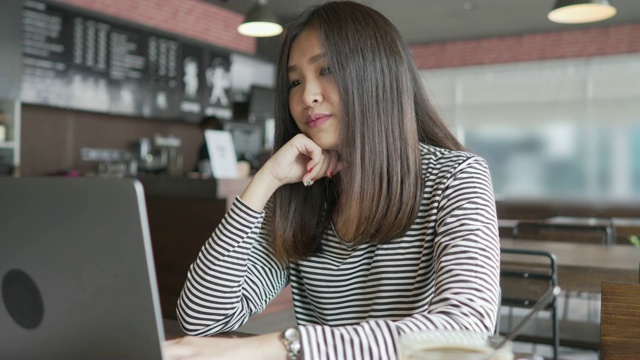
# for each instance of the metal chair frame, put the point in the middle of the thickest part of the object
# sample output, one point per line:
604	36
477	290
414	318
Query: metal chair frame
575	233
546	274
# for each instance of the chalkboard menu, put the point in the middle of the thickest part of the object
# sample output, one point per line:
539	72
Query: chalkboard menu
162	72
83	62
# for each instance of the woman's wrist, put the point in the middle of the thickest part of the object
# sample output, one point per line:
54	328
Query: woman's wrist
270	347
260	189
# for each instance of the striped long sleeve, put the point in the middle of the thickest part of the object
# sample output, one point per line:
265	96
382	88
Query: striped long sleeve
352	302
233	278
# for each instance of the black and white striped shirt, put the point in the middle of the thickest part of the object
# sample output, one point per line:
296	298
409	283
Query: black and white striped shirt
352	302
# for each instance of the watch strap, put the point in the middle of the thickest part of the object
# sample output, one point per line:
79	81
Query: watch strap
290	338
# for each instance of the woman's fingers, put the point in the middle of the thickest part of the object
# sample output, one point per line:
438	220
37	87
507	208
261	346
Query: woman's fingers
332	169
303	160
293	160
328	166
318	171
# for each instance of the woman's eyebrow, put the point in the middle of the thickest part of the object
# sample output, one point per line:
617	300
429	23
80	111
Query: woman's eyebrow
313	59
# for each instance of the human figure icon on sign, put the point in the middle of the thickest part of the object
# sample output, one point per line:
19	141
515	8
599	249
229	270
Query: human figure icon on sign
219	80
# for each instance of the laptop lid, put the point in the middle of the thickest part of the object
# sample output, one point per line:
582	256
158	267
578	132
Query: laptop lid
76	270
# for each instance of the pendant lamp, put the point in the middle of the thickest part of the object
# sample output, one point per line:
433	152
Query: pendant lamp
581	11
260	22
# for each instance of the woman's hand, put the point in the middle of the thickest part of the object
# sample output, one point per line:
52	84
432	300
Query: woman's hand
222	348
300	159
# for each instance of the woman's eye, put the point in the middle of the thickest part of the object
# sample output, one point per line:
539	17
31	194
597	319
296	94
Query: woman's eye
294	83
326	71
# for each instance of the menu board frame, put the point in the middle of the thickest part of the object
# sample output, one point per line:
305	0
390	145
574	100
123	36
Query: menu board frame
82	60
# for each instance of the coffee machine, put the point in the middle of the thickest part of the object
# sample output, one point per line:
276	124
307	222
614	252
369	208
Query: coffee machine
160	155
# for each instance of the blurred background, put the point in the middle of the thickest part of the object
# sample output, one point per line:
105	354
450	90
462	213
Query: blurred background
553	107
558	128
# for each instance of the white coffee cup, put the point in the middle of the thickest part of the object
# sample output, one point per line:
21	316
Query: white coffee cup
451	345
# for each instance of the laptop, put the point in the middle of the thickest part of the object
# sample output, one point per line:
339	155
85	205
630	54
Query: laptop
76	270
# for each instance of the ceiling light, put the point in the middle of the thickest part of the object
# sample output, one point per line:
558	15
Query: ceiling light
260	22
581	11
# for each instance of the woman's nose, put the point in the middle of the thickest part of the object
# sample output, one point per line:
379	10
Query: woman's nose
312	94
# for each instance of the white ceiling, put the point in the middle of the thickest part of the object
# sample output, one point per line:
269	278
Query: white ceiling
427	21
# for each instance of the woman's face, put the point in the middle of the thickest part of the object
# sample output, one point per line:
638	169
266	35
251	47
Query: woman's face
314	101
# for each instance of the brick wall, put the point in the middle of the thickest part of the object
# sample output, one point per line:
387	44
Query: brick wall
203	21
194	19
531	47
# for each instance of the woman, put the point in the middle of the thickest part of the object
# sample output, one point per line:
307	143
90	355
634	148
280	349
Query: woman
369	208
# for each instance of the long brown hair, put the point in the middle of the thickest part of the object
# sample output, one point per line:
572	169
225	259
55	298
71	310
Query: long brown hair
385	116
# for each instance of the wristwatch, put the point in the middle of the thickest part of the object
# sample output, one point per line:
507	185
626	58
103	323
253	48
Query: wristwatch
290	338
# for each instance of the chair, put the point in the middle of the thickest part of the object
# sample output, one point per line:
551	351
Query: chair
568	232
619	329
525	275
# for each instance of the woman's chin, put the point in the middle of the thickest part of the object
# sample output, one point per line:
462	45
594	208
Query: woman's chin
326	144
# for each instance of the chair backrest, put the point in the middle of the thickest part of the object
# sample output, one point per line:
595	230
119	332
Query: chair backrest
620	321
536	230
525	275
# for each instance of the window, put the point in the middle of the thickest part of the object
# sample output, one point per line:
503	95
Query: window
566	128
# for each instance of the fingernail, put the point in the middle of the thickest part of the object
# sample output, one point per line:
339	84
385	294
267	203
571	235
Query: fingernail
310	170
330	174
309	182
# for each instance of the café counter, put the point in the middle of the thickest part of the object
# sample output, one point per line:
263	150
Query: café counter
182	214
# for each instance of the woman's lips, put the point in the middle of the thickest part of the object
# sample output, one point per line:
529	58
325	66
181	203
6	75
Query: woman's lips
316	120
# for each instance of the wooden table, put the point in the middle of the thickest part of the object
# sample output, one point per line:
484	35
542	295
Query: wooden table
620	333
584	267
172	331
506	226
577	220
598	221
